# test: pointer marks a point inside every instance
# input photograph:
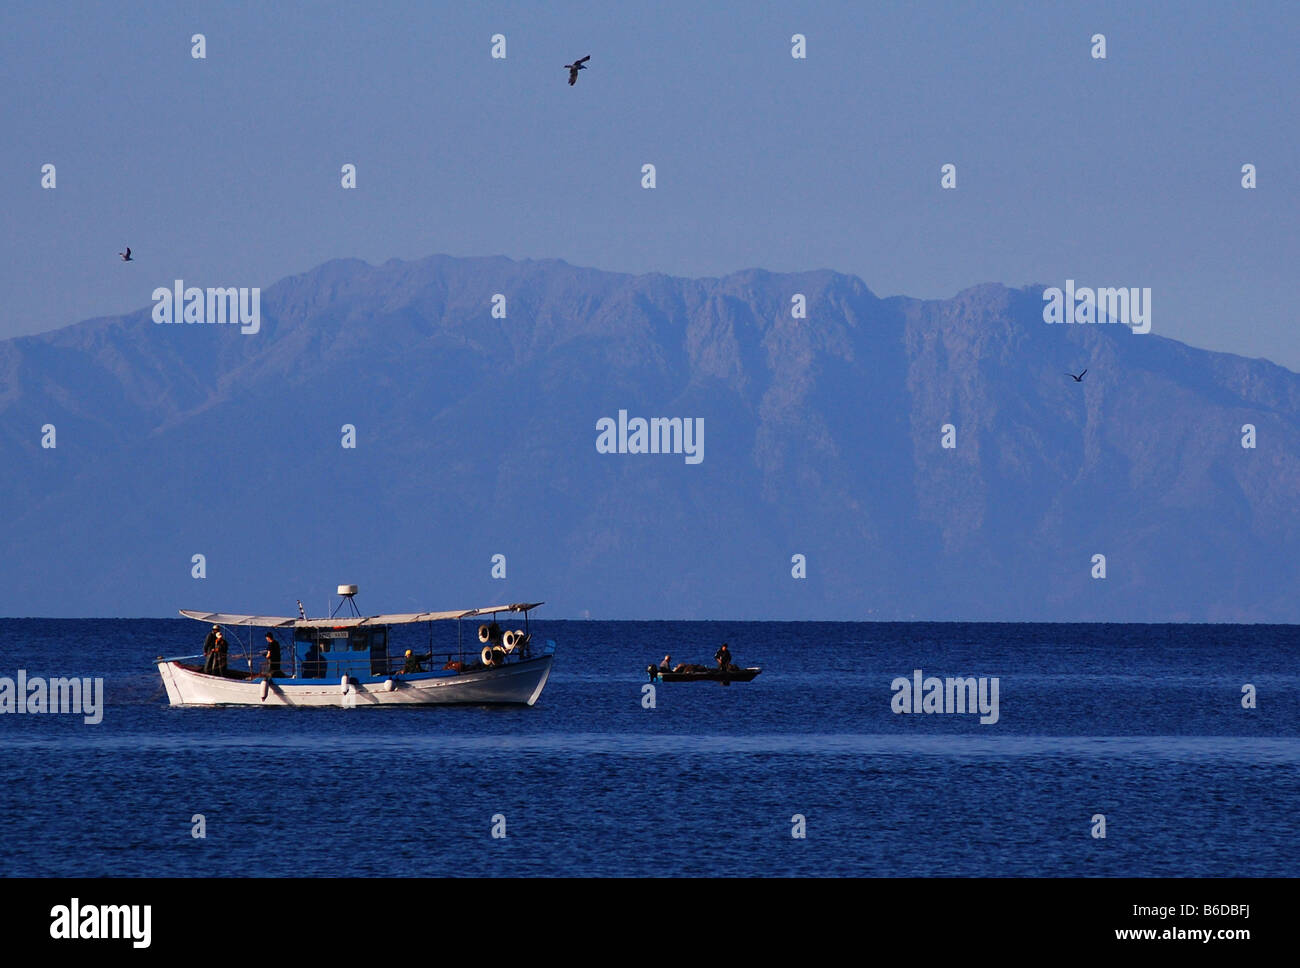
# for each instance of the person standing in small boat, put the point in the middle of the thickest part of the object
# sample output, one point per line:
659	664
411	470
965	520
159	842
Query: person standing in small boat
272	656
723	655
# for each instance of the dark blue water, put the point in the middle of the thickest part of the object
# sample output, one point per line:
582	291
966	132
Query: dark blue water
1143	724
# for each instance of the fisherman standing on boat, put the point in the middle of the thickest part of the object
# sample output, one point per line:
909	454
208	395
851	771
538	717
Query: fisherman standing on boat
221	650
272	656
723	655
210	650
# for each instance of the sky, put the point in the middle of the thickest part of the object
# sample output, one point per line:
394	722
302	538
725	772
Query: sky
226	170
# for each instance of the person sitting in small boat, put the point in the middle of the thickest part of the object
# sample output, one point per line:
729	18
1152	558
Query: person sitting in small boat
723	655
667	664
272	654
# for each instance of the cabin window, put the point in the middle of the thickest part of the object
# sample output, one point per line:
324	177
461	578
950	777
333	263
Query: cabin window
378	652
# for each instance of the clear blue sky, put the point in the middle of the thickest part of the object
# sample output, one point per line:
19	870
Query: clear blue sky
225	171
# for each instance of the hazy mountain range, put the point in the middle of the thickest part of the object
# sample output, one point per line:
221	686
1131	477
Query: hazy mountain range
477	436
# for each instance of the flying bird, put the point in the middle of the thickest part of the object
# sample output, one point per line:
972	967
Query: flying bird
126	256
1076	379
578	65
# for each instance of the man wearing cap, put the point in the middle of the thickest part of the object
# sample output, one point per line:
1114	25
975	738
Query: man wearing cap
209	647
210	650
412	662
272	656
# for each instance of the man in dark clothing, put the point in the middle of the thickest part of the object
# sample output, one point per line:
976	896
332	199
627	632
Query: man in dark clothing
723	655
210	650
272	656
313	663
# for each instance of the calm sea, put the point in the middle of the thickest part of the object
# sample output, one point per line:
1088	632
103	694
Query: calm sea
1141	724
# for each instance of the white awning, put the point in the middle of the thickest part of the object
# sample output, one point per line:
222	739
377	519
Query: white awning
343	622
223	618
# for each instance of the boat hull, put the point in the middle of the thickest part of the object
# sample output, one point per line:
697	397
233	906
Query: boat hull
713	675
516	683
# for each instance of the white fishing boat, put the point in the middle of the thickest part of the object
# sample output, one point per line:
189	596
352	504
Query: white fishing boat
345	661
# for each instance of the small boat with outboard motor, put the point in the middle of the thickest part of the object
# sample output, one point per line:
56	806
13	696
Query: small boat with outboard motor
345	660
725	672
703	674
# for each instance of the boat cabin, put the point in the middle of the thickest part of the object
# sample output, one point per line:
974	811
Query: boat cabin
330	653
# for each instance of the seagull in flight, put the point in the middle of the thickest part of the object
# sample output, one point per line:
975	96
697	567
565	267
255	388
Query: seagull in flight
1076	379
578	65
126	256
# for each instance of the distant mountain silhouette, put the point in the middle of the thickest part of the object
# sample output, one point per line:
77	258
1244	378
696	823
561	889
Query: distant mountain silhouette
477	436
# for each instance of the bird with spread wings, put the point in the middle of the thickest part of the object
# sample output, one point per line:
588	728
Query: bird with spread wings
578	65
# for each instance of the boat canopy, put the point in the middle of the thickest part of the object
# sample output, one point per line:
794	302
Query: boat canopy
404	618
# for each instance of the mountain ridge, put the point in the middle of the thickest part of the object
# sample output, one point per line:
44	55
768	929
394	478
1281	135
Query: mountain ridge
477	436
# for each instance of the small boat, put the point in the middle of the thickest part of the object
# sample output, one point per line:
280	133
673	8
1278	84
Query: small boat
701	674
343	660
